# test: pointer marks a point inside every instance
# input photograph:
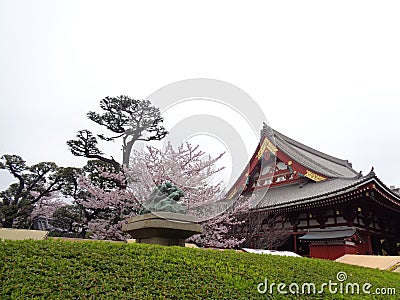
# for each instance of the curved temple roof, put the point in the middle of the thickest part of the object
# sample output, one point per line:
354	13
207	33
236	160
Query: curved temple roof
305	192
315	160
339	232
340	178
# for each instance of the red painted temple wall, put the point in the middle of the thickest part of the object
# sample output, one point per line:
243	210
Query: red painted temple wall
331	252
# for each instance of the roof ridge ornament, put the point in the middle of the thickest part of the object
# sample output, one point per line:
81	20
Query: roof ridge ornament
266	130
372	172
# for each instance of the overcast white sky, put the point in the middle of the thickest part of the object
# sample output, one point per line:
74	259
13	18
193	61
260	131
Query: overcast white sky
325	73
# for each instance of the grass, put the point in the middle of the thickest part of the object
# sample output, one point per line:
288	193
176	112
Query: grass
54	269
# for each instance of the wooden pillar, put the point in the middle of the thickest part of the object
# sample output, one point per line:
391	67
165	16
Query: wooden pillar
370	245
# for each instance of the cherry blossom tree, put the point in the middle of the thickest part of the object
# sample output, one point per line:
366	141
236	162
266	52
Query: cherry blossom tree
240	226
106	197
105	202
192	171
47	206
218	231
187	167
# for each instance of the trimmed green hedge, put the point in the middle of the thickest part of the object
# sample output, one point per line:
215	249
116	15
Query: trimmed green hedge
101	270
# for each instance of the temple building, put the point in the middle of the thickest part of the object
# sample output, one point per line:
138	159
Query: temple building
326	207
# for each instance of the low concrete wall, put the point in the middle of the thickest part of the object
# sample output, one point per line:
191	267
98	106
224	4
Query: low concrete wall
372	261
22	234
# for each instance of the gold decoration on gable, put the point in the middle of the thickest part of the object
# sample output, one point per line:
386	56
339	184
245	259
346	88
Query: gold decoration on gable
266	145
314	176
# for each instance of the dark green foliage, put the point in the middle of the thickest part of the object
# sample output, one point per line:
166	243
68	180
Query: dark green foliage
101	270
125	116
33	183
94	169
65	217
130	119
85	145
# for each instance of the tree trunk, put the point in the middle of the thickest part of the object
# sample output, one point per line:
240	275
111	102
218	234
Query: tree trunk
127	153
